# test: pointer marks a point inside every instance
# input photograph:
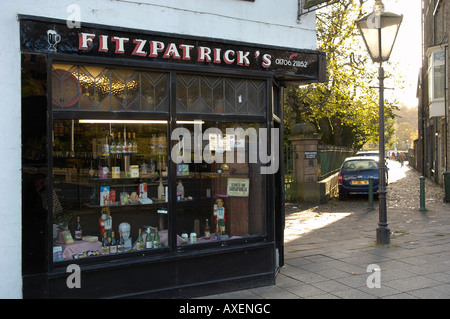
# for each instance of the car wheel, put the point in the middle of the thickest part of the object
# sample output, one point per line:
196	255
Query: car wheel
342	196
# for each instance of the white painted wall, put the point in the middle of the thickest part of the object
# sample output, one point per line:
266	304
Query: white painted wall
268	22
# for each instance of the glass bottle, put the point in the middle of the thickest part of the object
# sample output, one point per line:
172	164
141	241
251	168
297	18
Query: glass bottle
130	144
148	240
160	189
124	143
105	245
134	142
112	146
105	146
119	144
156	240
78	230
140	241
180	191
121	243
207	231
113	244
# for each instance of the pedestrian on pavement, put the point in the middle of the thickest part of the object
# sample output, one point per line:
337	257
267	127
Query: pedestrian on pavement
401	158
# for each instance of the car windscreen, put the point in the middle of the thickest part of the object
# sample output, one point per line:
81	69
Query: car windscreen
359	165
366	154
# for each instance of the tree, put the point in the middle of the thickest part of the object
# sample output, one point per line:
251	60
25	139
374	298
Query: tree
344	108
405	135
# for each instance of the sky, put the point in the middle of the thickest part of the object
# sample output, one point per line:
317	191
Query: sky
407	51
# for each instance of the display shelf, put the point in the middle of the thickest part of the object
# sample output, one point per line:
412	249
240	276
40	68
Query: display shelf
155	203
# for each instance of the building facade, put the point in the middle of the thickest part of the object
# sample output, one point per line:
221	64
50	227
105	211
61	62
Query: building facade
432	147
119	116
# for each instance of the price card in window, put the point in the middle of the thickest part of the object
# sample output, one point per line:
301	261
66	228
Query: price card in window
238	187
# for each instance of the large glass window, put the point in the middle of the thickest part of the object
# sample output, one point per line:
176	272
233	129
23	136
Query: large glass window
436	75
112	176
110	187
220	190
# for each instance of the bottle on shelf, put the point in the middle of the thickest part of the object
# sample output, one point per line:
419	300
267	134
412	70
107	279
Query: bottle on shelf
105	146
113	245
112	146
124	142
207	231
160	189
180	191
105	245
156	239
121	243
140	241
134	142
148	239
130	144
78	230
119	146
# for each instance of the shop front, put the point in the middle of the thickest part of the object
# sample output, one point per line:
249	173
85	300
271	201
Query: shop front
151	162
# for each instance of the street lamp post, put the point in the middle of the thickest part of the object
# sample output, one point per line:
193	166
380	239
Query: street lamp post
379	30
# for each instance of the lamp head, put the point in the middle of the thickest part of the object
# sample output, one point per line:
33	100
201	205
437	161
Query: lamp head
379	30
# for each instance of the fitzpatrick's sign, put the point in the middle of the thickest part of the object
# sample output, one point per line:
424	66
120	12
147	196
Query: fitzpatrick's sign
299	66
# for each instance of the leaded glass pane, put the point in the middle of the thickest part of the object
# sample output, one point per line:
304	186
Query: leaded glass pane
94	88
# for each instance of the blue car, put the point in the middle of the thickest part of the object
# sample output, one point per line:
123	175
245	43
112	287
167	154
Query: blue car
354	176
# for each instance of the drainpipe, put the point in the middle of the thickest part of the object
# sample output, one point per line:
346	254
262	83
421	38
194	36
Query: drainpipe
446	111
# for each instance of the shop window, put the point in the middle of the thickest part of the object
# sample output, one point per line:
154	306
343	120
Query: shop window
112	176
220	191
106	177
93	88
208	94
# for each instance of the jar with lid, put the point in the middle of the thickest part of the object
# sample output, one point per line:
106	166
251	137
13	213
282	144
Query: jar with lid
184	236
193	237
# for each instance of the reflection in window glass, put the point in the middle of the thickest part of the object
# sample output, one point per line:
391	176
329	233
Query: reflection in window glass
439	81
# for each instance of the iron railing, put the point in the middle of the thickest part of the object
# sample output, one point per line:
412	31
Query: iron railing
330	159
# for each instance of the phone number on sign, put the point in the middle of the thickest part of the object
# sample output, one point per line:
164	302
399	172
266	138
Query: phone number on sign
296	63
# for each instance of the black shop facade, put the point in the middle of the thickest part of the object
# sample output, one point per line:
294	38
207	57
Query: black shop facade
151	162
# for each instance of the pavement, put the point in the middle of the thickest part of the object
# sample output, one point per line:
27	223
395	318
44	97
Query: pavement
331	250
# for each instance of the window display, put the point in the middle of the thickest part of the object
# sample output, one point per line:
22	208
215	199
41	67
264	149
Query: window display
112	177
226	192
110	185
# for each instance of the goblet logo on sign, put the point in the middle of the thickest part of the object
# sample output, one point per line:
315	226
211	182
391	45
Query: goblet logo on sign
53	38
